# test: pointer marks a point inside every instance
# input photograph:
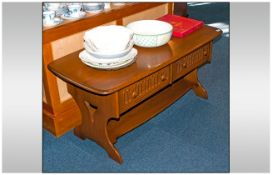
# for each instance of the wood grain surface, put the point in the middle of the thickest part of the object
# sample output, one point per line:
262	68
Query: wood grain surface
72	70
113	103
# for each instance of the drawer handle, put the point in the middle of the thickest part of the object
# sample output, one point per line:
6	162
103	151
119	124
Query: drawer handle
134	94
163	77
184	65
205	53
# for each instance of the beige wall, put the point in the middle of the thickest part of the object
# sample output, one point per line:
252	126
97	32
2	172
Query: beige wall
153	13
74	42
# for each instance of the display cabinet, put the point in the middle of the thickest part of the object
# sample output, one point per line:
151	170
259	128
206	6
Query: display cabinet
60	112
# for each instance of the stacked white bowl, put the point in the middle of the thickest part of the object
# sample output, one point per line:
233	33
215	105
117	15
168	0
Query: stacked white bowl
108	46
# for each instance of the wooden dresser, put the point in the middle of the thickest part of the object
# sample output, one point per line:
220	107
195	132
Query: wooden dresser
60	112
113	103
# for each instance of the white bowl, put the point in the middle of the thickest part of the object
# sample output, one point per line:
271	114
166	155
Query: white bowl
108	55
151	33
110	38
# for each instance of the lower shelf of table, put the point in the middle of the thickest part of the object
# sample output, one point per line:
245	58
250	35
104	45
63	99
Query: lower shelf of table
147	109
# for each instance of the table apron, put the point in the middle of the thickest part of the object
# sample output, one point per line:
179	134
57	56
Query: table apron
146	87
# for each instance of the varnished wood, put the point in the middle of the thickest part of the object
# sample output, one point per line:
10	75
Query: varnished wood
191	61
96	111
47	107
197	88
148	61
148	109
210	52
180	8
61	116
49	80
119	21
113	103
48	122
170	8
59	123
138	91
57	118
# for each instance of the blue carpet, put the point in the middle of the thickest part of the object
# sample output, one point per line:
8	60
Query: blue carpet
192	135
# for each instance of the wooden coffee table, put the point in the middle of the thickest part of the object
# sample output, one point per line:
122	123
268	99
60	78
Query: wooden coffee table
113	103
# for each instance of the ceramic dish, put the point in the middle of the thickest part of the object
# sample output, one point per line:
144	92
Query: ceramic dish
111	38
57	21
108	64
62	11
68	17
85	56
59	8
93	7
110	67
150	33
108	55
118	3
52	6
93	11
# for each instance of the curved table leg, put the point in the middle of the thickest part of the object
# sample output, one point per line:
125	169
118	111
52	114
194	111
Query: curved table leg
95	112
198	89
102	138
78	133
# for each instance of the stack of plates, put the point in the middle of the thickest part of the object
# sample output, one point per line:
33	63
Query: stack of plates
108	48
108	64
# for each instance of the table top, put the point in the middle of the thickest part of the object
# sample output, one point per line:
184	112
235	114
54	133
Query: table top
148	60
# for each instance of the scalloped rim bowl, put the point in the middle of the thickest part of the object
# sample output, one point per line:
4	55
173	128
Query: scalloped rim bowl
151	33
109	54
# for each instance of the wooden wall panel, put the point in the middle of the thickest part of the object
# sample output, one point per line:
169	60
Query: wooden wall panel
63	92
64	47
69	44
153	13
43	95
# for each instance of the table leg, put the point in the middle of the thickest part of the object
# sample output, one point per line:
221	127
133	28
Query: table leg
96	111
198	89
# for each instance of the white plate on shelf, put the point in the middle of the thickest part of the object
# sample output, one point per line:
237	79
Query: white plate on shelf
108	64
57	21
68	17
118	3
94	11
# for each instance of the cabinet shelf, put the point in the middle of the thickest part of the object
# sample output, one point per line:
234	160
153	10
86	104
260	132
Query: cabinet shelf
69	27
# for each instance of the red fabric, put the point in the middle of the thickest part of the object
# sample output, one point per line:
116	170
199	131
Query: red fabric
182	26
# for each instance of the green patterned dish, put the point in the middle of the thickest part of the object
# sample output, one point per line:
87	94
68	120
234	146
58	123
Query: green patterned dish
150	33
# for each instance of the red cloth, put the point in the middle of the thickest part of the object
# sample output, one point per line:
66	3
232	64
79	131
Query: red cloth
182	26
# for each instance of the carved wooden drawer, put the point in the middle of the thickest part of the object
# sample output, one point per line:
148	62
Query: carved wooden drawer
191	61
142	89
